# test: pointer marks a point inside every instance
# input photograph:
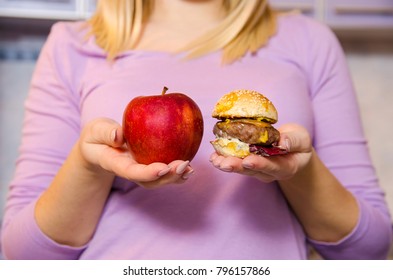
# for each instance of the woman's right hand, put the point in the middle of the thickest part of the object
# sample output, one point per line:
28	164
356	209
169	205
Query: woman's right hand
102	148
69	210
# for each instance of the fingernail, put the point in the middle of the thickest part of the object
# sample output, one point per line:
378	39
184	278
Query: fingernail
187	174
287	144
226	169
182	167
114	135
248	165
164	172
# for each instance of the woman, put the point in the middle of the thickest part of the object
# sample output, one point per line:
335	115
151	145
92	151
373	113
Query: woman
77	193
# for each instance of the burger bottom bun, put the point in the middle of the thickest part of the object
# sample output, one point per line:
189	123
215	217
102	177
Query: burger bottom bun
231	147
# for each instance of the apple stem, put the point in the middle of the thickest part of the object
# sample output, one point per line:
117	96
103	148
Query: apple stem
164	90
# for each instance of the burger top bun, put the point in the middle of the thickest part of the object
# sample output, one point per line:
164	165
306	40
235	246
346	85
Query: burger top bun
245	104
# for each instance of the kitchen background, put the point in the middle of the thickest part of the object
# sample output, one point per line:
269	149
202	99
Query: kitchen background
364	27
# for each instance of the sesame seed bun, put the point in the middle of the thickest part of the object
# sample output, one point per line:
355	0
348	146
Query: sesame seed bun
245	104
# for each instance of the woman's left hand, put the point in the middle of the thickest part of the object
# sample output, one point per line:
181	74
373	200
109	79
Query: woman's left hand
294	138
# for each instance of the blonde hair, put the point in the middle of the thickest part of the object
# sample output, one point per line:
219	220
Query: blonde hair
117	26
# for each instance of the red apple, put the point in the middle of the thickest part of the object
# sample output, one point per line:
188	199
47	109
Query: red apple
163	128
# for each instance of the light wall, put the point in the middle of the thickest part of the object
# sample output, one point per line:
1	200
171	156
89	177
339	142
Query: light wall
371	65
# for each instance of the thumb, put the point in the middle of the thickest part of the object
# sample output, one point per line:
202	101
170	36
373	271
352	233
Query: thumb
295	138
105	131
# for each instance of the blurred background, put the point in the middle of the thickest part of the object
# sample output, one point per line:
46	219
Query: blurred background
364	27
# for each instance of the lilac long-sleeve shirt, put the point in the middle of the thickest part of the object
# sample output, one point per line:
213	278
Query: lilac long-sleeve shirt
214	215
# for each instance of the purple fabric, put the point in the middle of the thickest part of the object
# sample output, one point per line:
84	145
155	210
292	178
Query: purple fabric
215	215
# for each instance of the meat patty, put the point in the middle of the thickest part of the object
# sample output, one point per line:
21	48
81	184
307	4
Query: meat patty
248	131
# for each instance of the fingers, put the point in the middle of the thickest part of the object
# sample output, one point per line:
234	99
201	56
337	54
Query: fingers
152	175
184	170
226	164
232	164
293	137
247	166
121	163
156	175
103	145
273	168
265	169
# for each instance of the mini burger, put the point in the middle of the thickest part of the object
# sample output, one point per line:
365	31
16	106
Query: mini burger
245	125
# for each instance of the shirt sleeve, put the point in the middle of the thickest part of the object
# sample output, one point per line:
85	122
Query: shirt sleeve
340	142
50	129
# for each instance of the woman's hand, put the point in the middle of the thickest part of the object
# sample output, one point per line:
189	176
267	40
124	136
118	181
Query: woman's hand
102	148
69	210
317	198
294	138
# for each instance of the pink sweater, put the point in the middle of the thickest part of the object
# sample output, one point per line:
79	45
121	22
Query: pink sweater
214	215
